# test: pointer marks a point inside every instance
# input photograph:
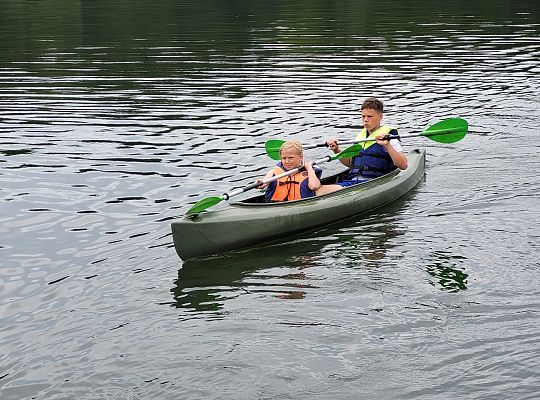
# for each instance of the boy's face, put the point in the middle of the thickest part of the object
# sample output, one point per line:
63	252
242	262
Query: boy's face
371	119
291	158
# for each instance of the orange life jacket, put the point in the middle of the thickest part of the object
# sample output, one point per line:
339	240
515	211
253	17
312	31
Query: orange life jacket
288	187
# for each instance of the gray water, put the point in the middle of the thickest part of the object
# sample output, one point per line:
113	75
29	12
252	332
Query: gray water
115	117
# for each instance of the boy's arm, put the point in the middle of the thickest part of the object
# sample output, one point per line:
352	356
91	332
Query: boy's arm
269	174
313	181
398	157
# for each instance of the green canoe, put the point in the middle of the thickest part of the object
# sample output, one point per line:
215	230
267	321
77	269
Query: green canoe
251	223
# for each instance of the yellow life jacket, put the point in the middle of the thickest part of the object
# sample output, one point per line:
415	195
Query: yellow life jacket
385	130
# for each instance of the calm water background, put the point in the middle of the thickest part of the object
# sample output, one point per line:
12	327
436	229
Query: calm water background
116	116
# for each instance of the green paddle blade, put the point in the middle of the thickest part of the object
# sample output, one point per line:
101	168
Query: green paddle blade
348	152
205	203
272	148
450	130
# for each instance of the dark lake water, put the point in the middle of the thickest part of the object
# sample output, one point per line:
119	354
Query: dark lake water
115	117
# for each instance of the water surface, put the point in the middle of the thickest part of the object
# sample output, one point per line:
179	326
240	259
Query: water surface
116	117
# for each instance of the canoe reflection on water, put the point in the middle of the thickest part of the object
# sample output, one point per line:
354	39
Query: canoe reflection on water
206	284
280	270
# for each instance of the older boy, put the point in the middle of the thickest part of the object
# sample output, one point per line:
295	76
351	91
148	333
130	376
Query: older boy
376	158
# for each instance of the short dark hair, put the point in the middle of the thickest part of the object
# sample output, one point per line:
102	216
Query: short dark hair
373	104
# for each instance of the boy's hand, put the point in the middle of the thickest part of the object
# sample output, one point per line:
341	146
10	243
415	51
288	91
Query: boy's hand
382	139
332	145
262	185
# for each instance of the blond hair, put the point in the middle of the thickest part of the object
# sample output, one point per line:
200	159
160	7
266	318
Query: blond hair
294	145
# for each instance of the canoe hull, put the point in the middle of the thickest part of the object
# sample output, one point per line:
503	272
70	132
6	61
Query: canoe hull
246	224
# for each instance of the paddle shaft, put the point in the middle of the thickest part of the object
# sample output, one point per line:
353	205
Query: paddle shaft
387	137
253	185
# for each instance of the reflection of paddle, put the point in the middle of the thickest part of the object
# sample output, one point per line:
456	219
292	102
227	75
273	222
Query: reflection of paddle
208	202
449	130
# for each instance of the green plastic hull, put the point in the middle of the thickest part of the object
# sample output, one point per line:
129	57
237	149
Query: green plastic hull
244	224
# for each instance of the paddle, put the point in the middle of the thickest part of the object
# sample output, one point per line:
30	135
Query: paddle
449	130
208	202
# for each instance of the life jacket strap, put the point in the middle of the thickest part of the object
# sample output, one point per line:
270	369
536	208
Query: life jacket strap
281	183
